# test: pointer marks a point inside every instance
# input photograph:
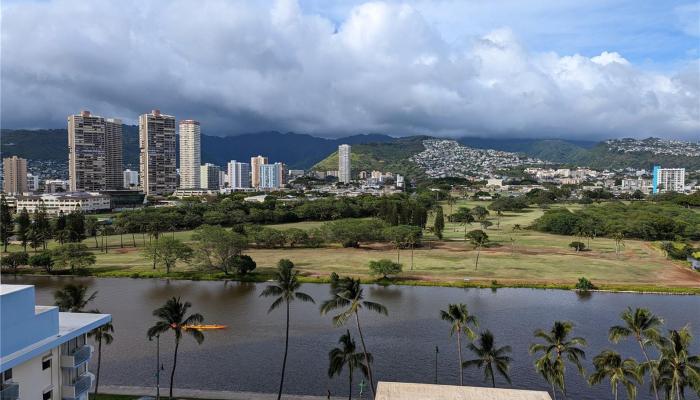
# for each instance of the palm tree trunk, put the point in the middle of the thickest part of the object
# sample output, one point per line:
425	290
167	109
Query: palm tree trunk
476	265
651	372
615	392
350	391
364	350
133	238
398	254
411	256
493	378
99	362
459	353
284	360
121	240
172	372
554	391
96	244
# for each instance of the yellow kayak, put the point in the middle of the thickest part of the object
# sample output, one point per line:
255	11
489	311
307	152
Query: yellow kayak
204	327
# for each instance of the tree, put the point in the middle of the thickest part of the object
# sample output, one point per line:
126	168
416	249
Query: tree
489	356
243	264
643	326
60	227
485	224
478	238
464	217
172	316
618	237
347	294
23	223
92	226
384	267
217	247
75	227
167	252
286	290
7	226
101	334
610	365
41	227
73	298
578	246
344	355
557	349
42	260
584	284
296	236
439	224
451	201
74	255
12	261
460	322
677	369
480	213
401	236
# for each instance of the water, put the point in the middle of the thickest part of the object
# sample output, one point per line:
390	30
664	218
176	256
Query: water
248	355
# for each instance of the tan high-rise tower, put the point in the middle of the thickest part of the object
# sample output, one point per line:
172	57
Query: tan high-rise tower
14	175
255	163
190	154
94	152
157	160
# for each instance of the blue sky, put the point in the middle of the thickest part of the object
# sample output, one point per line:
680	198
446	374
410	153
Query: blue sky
510	68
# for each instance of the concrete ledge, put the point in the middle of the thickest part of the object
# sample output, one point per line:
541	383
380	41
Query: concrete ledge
205	394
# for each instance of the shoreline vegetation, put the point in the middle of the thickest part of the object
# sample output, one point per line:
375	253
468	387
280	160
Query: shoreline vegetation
511	253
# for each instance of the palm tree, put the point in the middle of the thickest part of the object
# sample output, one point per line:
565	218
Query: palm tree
344	355
286	291
609	364
643	326
348	294
73	298
459	318
556	350
488	356
677	369
173	316
101	334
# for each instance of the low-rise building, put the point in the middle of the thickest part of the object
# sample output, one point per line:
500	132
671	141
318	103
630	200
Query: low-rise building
423	391
43	352
65	202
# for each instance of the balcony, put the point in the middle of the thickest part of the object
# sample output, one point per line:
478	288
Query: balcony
78	388
9	391
77	357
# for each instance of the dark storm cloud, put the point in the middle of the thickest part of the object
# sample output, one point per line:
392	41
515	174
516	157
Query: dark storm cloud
242	67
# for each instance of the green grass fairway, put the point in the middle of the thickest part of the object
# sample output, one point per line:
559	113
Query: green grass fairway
513	257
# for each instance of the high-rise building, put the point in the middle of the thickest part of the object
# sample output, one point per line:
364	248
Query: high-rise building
270	178
32	182
238	175
668	179
255	163
95	152
157	137
282	172
190	154
344	174
209	176
131	179
14	174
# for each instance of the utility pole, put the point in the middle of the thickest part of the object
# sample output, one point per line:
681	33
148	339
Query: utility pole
158	366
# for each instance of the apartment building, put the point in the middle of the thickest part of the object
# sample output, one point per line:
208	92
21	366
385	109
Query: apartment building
94	152
32	183
270	178
131	179
43	353
209	176
14	175
344	171
238	175
668	180
190	154
158	174
255	163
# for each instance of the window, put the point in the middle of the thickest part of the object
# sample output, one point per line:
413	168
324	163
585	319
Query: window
46	364
7	375
47	395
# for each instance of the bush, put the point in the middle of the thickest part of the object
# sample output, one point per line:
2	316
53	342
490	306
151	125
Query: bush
42	260
384	267
578	246
12	261
243	264
584	284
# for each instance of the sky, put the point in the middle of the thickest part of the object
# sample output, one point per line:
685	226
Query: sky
571	69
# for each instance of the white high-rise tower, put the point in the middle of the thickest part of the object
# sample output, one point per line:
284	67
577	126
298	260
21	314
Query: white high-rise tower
190	154
344	175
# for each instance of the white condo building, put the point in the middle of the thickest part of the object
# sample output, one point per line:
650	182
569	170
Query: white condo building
238	175
668	180
344	174
131	179
43	352
190	154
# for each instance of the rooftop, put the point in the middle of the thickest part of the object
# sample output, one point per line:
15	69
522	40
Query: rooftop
421	391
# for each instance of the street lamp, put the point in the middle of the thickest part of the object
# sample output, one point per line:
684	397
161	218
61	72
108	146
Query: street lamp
159	366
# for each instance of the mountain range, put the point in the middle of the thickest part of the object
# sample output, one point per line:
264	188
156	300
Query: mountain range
370	151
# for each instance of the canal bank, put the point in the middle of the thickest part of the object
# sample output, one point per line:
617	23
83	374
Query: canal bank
205	394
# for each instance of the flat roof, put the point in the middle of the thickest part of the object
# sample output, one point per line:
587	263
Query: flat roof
70	326
421	391
7	289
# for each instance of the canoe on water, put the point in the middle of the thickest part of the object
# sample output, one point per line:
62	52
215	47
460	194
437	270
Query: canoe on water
204	327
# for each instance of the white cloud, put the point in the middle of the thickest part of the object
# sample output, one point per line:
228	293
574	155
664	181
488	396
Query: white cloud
243	66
